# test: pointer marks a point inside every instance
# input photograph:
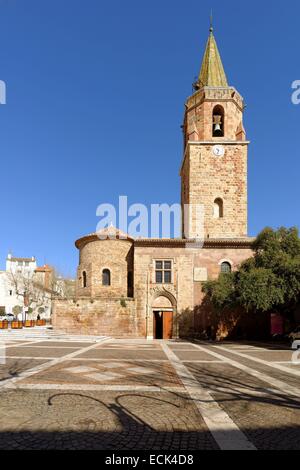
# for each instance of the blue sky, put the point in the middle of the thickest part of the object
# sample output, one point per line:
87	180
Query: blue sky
95	99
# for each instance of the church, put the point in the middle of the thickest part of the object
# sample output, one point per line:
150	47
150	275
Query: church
152	288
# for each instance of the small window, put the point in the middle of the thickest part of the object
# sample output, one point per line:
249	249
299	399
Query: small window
130	284
159	277
167	265
106	278
10	293
26	263
84	279
159	265
167	277
218	209
226	268
163	272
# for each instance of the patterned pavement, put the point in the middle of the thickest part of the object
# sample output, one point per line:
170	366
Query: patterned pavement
133	394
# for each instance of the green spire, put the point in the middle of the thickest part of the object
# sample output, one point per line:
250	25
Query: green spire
212	71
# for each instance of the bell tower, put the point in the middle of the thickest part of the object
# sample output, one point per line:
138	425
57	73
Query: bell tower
214	168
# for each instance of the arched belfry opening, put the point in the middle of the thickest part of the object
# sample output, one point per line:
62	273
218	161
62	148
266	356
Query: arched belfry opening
218	120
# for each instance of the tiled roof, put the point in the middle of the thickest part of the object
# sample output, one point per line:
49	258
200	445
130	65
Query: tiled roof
170	242
207	243
43	269
30	260
107	233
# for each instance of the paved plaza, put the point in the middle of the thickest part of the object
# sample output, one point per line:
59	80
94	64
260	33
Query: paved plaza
101	393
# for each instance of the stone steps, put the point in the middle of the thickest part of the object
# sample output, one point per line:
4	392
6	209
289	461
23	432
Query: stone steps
45	334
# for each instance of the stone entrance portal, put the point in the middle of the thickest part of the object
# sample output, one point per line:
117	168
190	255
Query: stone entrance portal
162	325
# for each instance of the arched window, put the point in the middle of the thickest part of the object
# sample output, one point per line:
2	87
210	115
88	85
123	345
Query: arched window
84	279
226	267
218	121
106	278
218	208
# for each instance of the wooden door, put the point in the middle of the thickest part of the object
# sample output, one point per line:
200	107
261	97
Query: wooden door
167	325
157	325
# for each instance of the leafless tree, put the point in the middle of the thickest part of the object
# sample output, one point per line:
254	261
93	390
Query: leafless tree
31	292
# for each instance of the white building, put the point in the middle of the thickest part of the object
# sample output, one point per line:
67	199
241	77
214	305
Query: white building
25	285
26	266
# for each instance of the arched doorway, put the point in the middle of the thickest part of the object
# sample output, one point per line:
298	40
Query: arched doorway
163	317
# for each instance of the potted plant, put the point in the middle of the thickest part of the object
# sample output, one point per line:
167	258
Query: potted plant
16	324
40	322
28	323
3	322
2	319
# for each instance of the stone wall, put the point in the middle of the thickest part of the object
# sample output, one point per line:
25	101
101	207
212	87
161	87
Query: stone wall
103	317
185	291
211	178
97	255
206	177
199	111
190	268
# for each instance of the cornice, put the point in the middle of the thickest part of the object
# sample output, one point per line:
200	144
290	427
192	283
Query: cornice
185	243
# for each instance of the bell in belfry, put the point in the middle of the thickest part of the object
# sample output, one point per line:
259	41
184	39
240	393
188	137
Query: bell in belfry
217	124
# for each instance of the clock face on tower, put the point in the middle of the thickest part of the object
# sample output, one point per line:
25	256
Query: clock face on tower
218	150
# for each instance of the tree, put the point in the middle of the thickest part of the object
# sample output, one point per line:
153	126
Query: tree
258	289
270	281
60	286
17	310
27	289
222	291
38	289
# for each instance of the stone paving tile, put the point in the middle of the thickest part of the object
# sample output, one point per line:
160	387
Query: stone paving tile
29	351
212	376
292	366
103	353
270	421
13	367
64	344
178	347
269	370
194	355
271	356
135	346
120	421
81	419
249	345
16	343
131	373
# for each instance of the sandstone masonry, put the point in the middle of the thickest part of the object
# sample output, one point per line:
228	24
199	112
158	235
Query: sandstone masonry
153	288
